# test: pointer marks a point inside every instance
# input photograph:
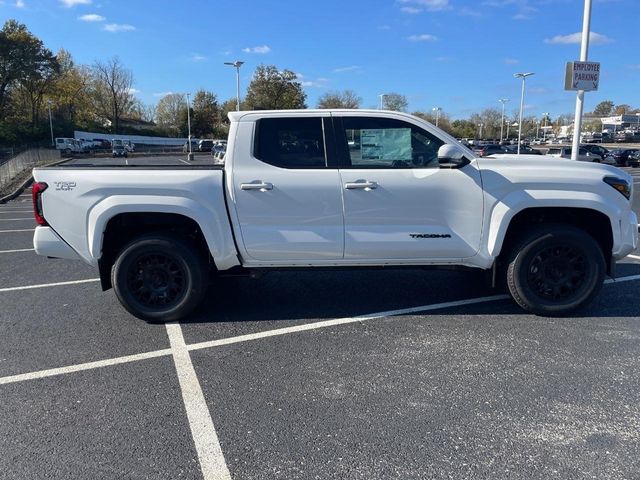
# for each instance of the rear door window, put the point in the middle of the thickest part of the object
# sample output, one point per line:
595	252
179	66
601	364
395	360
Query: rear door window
291	142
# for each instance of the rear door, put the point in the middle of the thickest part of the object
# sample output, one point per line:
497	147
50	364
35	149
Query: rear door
287	197
398	202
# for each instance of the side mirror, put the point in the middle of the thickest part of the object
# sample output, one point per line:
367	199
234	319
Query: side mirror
451	156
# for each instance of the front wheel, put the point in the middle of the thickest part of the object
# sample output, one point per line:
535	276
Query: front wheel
160	277
555	270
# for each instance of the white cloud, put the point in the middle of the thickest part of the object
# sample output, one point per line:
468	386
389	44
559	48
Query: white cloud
162	94
425	37
73	3
20	4
92	17
134	91
594	39
429	5
118	27
350	68
511	61
259	49
411	10
196	57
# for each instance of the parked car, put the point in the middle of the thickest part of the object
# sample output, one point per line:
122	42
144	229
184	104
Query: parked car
621	156
68	146
597	149
205	145
119	151
285	198
634	159
194	146
524	150
128	145
492	149
565	152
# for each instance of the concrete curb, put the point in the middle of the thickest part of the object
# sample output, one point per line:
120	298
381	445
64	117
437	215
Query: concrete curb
27	182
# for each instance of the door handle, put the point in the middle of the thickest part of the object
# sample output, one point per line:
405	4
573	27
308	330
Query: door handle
362	185
258	185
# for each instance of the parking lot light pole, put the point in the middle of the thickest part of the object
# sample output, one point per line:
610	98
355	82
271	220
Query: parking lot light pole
237	64
53	143
523	76
544	130
382	95
189	125
437	110
638	125
502	101
480	125
584	53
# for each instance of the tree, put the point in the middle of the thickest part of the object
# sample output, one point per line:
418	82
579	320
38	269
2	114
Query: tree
169	112
603	109
111	90
395	102
272	89
205	113
622	109
344	99
70	93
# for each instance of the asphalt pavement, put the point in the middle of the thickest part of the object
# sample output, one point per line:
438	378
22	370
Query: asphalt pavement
393	374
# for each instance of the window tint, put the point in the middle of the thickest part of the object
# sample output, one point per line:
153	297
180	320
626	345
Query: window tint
291	142
389	143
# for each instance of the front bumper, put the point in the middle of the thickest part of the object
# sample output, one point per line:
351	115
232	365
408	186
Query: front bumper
48	243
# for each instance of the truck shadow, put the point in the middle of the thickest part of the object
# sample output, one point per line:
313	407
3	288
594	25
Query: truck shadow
306	295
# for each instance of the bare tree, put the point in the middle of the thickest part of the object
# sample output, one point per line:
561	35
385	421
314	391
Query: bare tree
345	99
169	111
112	90
395	101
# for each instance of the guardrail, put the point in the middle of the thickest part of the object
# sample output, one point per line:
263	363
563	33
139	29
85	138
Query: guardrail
24	161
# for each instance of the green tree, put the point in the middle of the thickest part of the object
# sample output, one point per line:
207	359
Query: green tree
604	109
344	99
170	111
273	89
395	102
71	103
622	109
205	114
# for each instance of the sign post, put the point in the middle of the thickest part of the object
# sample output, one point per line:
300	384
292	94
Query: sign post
584	51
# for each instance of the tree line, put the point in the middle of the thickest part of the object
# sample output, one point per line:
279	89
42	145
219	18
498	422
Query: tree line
35	82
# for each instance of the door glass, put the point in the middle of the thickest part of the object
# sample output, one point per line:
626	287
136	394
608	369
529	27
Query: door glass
291	142
389	143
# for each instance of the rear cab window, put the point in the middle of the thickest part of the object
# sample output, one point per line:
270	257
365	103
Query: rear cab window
291	142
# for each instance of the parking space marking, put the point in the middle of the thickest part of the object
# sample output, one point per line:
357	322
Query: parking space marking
45	285
84	366
212	462
19	230
13	219
18	250
16	211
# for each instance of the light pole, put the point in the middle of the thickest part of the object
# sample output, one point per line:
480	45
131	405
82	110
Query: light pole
49	102
523	76
437	110
480	125
537	129
638	125
544	130
382	95
190	156
237	64
502	101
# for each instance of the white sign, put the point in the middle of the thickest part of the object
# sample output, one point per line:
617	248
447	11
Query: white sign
582	76
386	144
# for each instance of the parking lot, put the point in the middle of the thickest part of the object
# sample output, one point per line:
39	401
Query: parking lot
301	375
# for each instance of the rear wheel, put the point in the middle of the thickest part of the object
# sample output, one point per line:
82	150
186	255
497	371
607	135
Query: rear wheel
555	270
159	277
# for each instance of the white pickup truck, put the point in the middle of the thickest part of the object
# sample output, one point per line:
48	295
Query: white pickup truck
342	188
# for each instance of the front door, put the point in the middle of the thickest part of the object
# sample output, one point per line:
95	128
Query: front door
398	202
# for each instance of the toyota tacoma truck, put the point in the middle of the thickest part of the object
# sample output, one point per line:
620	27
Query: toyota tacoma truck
339	188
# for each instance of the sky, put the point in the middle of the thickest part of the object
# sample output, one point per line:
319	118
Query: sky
459	55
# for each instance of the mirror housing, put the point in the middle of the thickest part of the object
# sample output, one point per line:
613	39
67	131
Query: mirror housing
451	156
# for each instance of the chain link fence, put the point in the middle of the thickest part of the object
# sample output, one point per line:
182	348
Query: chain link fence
10	168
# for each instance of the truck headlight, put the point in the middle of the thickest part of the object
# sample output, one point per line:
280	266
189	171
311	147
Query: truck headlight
620	185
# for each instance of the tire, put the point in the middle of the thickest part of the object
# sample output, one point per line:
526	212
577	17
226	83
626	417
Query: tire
159	277
555	270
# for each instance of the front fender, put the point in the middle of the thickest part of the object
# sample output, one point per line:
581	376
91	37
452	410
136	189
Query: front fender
515	202
214	224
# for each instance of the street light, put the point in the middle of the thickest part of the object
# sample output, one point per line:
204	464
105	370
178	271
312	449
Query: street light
544	130
382	95
49	103
523	76
537	129
237	64
480	133
190	156
437	110
502	101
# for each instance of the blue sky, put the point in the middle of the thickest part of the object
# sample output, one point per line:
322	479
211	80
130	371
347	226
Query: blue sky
457	54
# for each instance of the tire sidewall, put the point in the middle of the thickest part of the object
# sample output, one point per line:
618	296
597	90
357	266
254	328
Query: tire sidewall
183	254
534	243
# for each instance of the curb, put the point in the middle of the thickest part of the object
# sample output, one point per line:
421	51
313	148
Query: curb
27	182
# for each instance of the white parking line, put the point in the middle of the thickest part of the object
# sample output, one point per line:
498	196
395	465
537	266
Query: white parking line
19	230
24	210
45	285
14	219
83	366
203	431
17	250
